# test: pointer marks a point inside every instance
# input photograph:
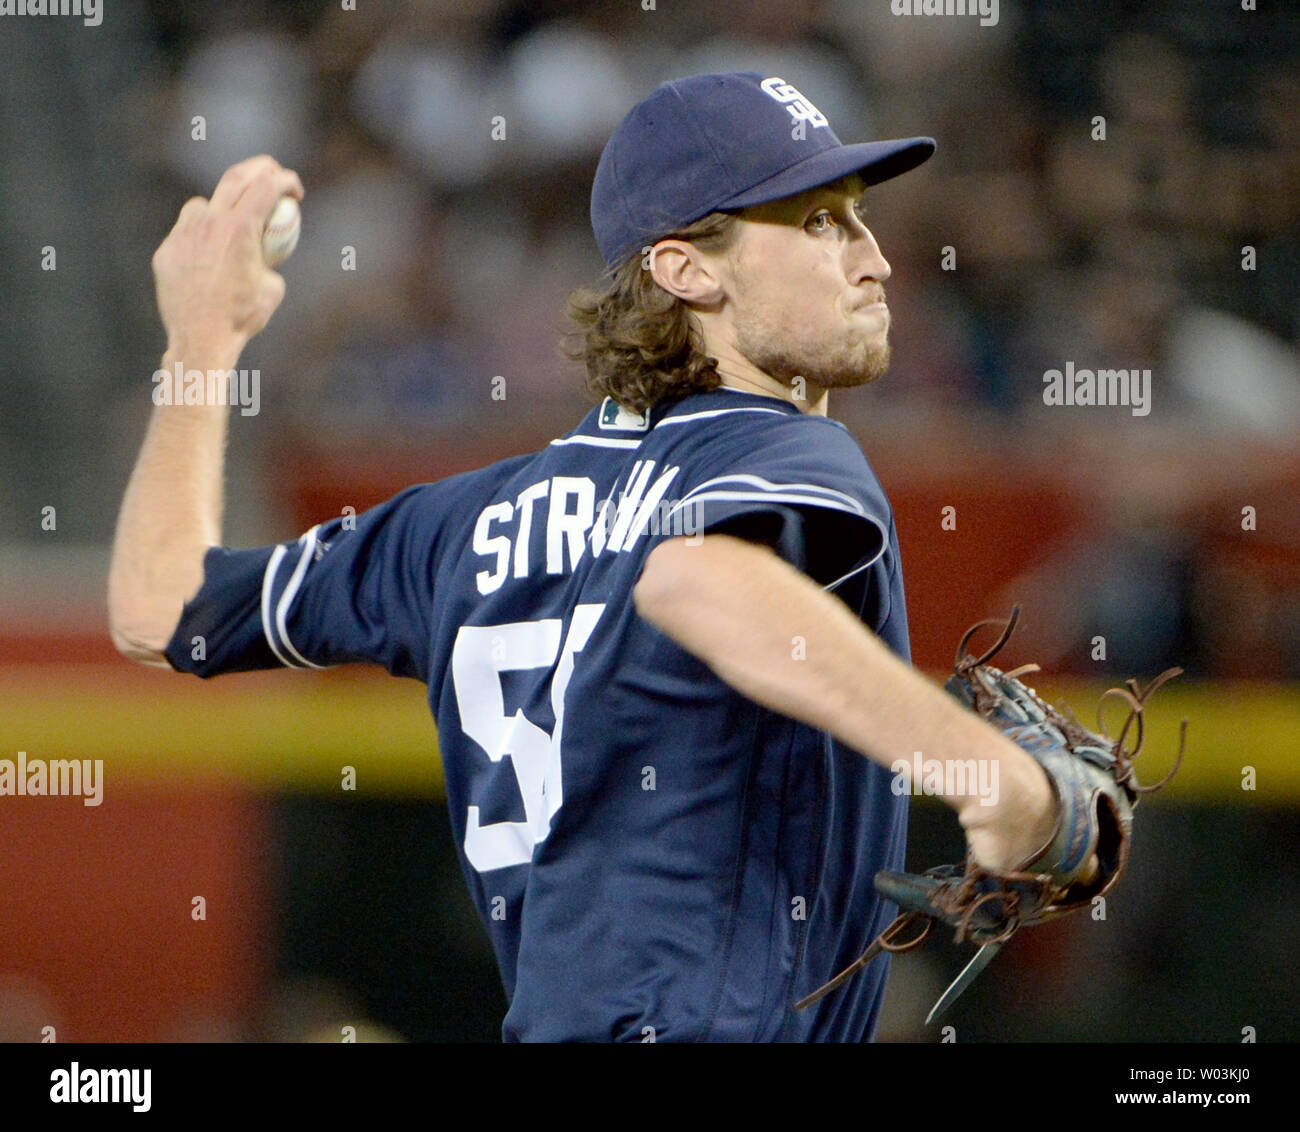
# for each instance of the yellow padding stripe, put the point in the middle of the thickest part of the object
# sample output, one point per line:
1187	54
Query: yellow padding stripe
283	730
300	730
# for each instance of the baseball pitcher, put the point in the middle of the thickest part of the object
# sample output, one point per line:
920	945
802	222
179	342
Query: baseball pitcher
667	655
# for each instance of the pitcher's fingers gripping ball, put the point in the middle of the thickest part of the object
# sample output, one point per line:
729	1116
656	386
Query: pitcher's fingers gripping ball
1096	792
214	272
280	236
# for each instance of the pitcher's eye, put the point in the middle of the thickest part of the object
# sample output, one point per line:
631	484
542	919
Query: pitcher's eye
823	215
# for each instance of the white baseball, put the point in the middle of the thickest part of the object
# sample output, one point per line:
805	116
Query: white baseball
280	236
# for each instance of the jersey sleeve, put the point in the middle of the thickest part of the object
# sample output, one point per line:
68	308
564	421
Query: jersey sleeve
356	588
801	485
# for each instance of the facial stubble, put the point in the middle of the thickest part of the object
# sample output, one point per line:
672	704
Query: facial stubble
850	360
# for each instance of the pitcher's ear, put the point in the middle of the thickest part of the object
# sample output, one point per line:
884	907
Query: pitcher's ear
684	271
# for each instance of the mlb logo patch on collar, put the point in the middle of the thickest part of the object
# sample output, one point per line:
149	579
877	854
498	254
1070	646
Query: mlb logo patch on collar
615	416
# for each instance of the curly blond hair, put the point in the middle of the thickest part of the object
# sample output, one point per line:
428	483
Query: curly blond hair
639	343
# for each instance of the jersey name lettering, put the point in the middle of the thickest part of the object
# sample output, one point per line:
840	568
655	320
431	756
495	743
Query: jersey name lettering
504	531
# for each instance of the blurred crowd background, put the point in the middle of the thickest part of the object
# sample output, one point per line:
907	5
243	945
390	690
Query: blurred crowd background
1122	252
1171	244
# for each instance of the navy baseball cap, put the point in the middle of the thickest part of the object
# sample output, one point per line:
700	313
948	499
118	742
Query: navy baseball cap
712	142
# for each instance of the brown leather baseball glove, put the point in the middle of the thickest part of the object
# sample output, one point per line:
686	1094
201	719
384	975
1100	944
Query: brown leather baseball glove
1096	791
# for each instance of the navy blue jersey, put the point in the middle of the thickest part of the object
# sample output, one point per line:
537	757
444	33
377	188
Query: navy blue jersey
650	851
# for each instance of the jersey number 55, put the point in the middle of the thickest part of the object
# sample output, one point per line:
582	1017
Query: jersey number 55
481	653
